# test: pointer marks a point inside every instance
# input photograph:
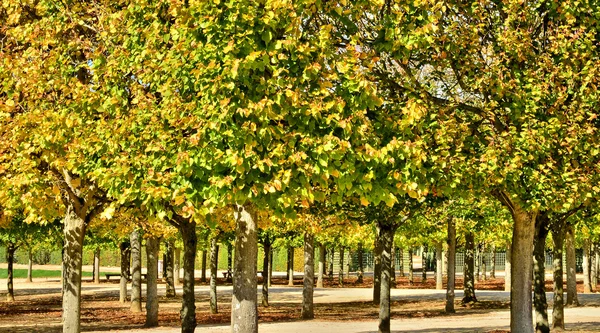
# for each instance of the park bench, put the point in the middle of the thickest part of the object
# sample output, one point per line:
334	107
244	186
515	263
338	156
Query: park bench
109	275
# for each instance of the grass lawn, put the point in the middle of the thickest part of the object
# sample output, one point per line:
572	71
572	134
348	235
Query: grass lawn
37	273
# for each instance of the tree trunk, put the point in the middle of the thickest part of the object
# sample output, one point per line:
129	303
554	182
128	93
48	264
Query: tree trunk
493	263
539	275
424	264
309	277
244	310
97	265
393	267
265	271
330	272
290	266
508	267
74	233
229	261
558	307
587	284
136	271
10	259
203	272
29	265
411	273
593	263
451	265
477	262
571	274
361	268
270	266
438	267
170	280
177	268
187	229
401	257
520	296
386	238
468	270
214	262
125	249
483	263
152	247
377	268
321	266
348	259
341	271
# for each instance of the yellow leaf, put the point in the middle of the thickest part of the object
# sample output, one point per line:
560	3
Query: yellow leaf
364	201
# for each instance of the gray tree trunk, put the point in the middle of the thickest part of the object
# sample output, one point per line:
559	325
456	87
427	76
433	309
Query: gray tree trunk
74	233
393	267
571	275
244	309
309	277
187	229
587	284
265	271
451	266
558	307
386	238
270	266
136	271
348	258
377	268
341	271
483	263
401	259
321	266
168	264
424	264
493	263
97	265
593	274
203	272
229	261
477	262
539	275
439	283
152	247
468	269
332	255
214	262
29	266
10	259
411	272
125	250
508	267
361	268
290	266
177	268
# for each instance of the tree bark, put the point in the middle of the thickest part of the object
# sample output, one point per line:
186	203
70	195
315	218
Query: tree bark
377	268
483	263
152	247
136	272
187	229
587	284
361	267
309	277
177	268
558	307
203	272
401	259
451	265
539	275
468	270
330	272
97	265
411	272
321	266
244	310
229	261
290	266
125	250
270	266
170	278
386	238
265	271
571	274
74	233
214	262
438	267
341	271
424	264
393	267
508	267
477	262
493	263
593	263
29	265
10	259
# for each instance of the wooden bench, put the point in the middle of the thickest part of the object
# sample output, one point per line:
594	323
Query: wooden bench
109	275
227	275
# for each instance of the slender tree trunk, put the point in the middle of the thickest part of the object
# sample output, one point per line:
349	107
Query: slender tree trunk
214	262
203	273
125	249
539	275
424	264
309	277
558	306
477	262
411	273
483	263
74	232
97	265
29	265
152	247
265	271
229	261
451	265
571	275
493	263
508	267
377	268
587	284
187	229
321	266
361	268
136	271
386	238
177	268
10	259
290	266
330	272
270	266
169	263
401	257
244	309
469	279
438	267
341	271
593	274
444	262
393	267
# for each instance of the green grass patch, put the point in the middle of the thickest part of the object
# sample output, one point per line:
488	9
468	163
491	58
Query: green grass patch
37	273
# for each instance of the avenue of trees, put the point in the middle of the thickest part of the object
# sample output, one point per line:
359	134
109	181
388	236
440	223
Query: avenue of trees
303	123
